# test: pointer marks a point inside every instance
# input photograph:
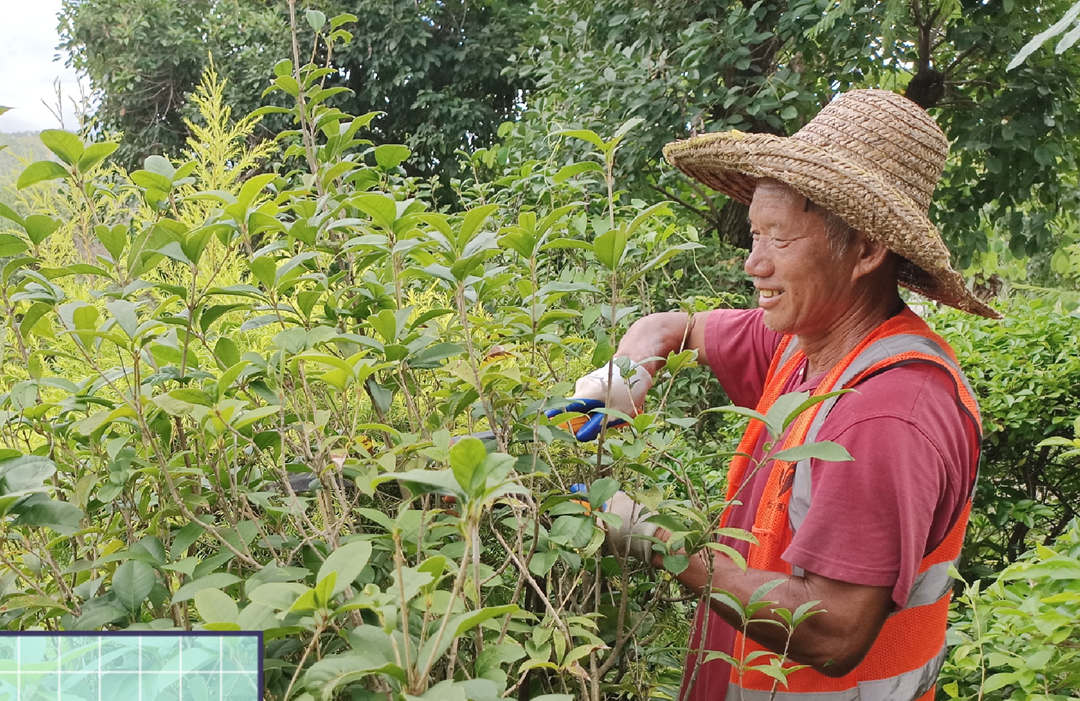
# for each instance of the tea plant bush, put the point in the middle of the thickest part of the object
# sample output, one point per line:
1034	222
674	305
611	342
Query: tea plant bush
1016	637
1026	373
280	388
305	400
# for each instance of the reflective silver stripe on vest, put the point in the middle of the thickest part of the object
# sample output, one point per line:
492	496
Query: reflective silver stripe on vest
903	687
930	585
932	580
792	346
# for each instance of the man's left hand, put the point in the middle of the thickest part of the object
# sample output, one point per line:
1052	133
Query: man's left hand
634	534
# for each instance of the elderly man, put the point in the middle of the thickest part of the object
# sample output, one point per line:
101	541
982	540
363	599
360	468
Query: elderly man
838	214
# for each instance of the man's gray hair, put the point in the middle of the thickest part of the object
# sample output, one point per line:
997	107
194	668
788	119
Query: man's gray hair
838	233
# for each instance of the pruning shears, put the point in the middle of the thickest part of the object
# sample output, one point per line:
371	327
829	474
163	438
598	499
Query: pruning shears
586	427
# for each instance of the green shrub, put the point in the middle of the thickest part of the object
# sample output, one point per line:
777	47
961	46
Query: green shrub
1026	374
1017	637
238	414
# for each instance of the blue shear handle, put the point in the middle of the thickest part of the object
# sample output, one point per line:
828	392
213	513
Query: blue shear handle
591	429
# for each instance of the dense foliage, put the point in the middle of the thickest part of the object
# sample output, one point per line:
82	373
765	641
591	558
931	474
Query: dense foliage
448	72
247	404
434	68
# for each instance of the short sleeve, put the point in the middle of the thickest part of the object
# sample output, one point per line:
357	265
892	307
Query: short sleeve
873	519
739	348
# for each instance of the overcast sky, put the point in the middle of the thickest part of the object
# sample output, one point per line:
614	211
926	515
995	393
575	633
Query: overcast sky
28	42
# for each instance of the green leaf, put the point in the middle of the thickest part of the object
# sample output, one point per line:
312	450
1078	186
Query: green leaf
764	589
67	146
84	320
215	606
217	580
160	165
1038	40
676	564
609	247
113	239
124	313
423	481
25	472
32	316
39	510
264	269
252	187
288	84
460	624
9	213
473	220
279	596
348	561
391	155
996	681
40	226
602	489
315	19
40	171
227	351
174	250
822	450
585	135
131	584
575	169
325	676
99	612
624	129
466	457
11	245
95	154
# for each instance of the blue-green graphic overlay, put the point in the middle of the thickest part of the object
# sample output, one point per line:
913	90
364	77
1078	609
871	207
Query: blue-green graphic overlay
151	667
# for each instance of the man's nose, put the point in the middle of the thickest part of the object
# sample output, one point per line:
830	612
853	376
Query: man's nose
757	263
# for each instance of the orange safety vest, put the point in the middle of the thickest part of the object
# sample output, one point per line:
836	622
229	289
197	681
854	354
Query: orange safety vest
905	658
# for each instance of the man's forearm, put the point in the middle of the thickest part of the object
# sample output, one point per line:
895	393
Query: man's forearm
831	642
656	335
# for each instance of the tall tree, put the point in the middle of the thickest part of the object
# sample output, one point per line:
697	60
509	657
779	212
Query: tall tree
687	67
435	67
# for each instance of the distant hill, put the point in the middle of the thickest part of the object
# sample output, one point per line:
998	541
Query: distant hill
20	149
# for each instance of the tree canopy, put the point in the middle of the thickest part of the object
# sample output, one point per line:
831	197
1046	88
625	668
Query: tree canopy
448	73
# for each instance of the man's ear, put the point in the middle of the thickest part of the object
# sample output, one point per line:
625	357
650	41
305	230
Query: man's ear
870	256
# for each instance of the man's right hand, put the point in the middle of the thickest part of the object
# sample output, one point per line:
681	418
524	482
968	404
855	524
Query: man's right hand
590	392
627	393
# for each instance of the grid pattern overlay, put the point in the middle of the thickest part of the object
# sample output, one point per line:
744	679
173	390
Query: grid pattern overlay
111	666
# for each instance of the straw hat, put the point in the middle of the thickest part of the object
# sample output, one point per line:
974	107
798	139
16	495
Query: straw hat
872	157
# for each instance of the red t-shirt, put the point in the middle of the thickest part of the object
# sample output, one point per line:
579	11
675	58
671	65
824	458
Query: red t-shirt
873	519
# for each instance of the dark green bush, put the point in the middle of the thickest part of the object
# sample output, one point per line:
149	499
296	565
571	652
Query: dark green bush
1025	371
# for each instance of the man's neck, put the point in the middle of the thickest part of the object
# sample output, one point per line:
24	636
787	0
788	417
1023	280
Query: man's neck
826	350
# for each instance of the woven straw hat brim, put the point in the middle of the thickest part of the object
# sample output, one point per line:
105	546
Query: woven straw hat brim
732	163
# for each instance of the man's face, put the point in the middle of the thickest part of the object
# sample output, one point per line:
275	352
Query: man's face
803	286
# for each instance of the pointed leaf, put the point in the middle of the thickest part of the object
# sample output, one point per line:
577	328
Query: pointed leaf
348	561
39	226
9	213
11	245
585	135
132	583
215	606
389	156
67	146
95	154
40	171
822	450
216	580
466	456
